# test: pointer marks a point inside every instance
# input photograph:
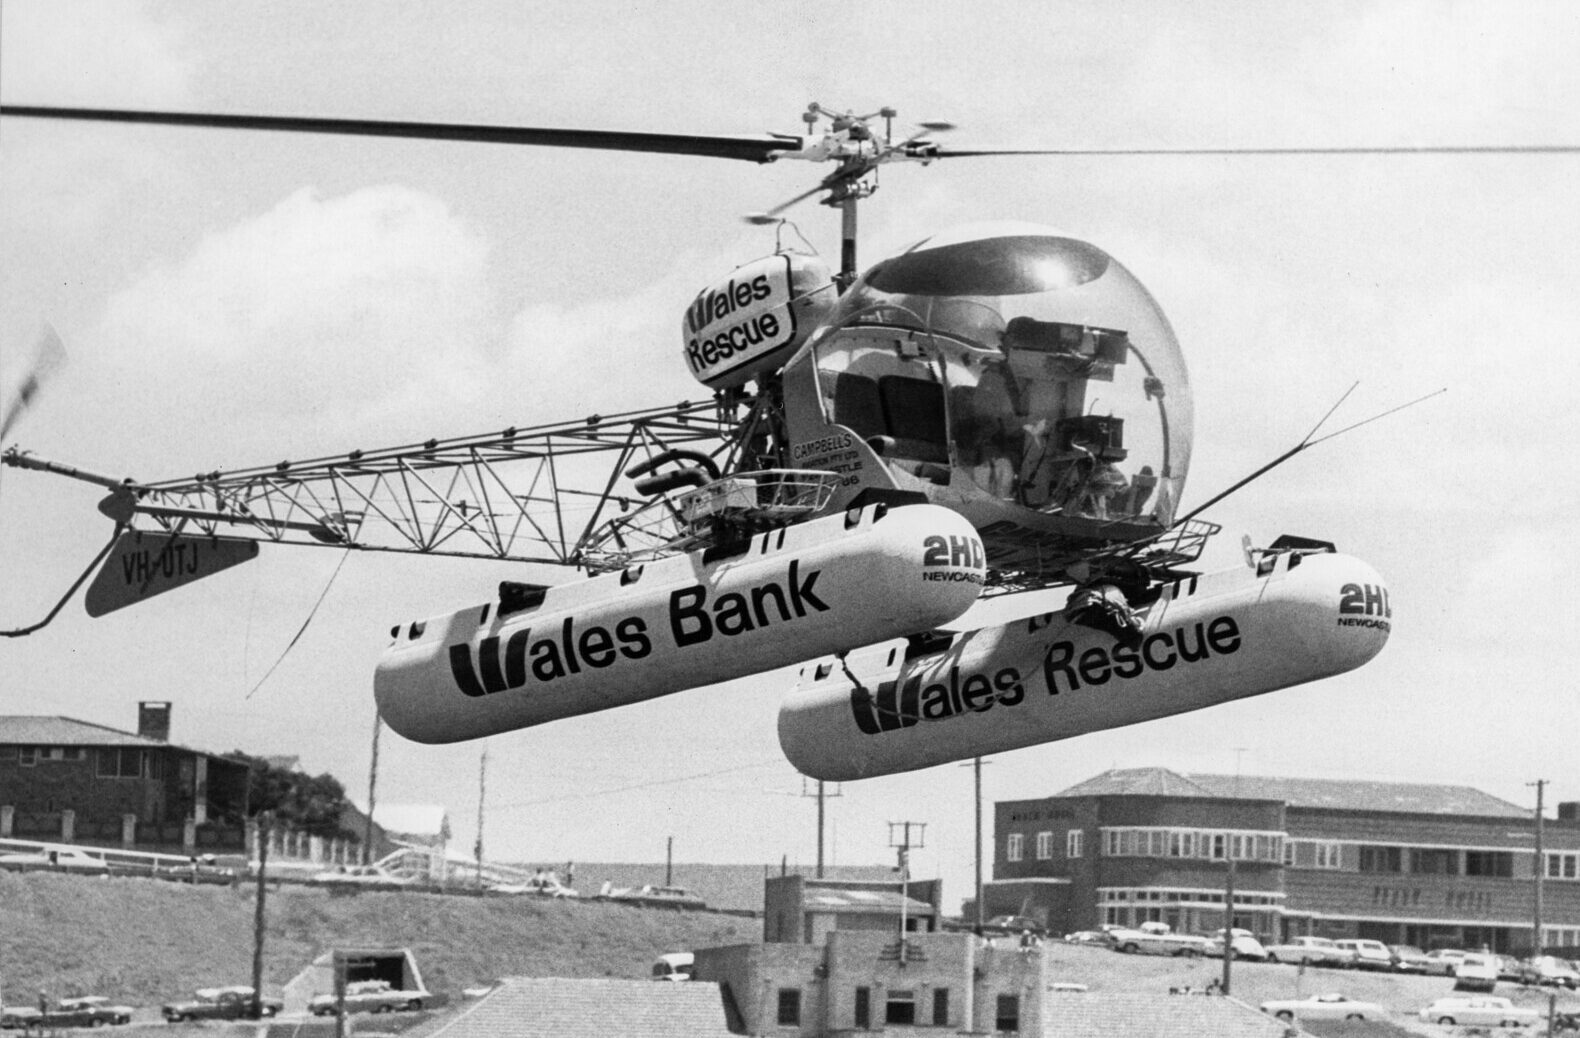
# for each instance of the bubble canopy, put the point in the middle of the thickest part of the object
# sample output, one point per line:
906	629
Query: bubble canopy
1044	365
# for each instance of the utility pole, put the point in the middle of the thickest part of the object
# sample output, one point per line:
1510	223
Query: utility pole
904	848
821	795
1228	917
669	862
976	768
1541	872
265	824
1228	885
373	781
482	778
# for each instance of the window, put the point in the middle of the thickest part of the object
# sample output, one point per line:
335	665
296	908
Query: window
1013	847
1326	854
1206	844
1074	843
941	1007
900	1007
789	1007
1006	1016
863	1008
1434	861
1044	846
122	762
1563	866
1382	859
27	756
1289	852
1499	864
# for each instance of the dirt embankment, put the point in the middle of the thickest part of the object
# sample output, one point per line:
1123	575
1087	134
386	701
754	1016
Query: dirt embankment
147	941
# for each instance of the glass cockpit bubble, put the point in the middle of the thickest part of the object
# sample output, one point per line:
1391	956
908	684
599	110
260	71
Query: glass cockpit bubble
1033	364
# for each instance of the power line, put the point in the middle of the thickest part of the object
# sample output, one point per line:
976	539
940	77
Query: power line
635	786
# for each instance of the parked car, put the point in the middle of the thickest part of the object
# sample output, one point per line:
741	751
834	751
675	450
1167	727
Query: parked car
68	859
1482	1011
536	886
1014	925
1511	969
1246	946
1154	938
1549	970
226	1003
1317	951
651	896
1443	961
15	1018
1368	955
1476	972
86	1011
368	996
1100	937
1407	958
674	966
361	877
1324	1007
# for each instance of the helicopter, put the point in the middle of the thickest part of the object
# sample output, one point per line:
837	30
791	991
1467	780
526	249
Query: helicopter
999	408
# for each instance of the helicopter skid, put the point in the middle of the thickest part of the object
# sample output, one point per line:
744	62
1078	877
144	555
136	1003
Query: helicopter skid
1206	640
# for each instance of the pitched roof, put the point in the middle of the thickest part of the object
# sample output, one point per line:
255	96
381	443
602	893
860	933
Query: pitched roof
1157	782
1361	795
66	731
1330	794
1095	1014
37	730
556	1007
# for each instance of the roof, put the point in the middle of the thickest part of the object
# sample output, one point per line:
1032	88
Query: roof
846	900
1320	794
728	888
556	1007
66	731
32	730
1093	1014
1137	782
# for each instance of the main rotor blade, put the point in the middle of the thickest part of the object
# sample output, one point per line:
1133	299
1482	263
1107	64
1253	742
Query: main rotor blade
1424	149
751	149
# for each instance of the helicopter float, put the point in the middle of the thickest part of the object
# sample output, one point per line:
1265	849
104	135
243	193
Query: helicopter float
999	408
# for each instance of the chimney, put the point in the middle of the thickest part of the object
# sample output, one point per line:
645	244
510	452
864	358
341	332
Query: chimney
1569	811
153	720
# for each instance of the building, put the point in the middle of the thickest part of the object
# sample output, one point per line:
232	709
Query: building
1410	863
73	781
866	982
804	910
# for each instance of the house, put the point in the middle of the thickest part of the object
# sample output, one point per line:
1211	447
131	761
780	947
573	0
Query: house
73	781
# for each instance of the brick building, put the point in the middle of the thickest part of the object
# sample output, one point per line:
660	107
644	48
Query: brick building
76	782
1430	865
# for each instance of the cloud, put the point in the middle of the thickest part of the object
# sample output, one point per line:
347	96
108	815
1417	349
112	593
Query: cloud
98	54
362	309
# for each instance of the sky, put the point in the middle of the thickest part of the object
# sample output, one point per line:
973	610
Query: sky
230	299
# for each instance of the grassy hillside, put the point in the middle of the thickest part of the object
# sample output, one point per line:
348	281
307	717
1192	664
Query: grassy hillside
147	940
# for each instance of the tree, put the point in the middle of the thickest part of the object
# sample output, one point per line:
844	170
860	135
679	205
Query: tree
309	803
